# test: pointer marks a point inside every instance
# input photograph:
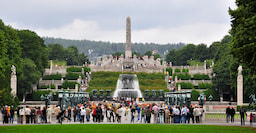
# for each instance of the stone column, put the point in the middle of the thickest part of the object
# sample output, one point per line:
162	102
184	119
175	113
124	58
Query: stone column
240	86
51	65
205	67
13	81
179	87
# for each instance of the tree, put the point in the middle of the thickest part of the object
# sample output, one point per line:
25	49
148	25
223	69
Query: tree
243	32
171	56
201	52
56	52
157	56
148	53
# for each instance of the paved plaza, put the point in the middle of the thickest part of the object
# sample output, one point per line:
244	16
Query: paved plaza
128	121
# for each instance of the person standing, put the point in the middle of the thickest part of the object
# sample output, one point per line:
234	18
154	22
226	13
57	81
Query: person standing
183	114
197	114
33	115
69	113
56	112
232	114
74	114
132	114
161	114
138	111
242	113
49	113
39	115
176	115
83	112
191	112
119	112
22	113
148	114
27	113
44	112
167	115
143	115
155	110
227	114
11	115
87	111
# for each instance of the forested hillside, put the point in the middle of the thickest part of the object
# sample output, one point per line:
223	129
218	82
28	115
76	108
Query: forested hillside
106	48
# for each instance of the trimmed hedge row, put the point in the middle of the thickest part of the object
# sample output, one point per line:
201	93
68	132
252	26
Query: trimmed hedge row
74	69
201	77
70	85
47	86
72	76
53	76
185	76
185	85
204	86
169	70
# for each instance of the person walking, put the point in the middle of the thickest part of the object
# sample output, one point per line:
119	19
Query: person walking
227	114
138	111
143	117
44	112
183	114
119	112
27	113
176	115
197	114
232	114
33	115
126	112
191	112
49	114
74	114
69	113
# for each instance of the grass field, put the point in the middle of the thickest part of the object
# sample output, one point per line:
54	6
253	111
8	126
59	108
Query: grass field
124	128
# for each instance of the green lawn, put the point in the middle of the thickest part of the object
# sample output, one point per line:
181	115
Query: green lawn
124	128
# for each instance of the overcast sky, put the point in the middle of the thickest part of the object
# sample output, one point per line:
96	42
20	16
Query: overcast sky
158	21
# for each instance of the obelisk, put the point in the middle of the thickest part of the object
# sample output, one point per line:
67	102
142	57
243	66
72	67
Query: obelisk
128	51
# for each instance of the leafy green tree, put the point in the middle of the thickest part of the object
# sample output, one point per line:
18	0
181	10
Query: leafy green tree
201	52
243	32
171	57
148	53
33	47
157	56
56	52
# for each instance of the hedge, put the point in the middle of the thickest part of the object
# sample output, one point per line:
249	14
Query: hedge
72	76
47	86
204	86
185	85
185	70
177	70
37	94
74	69
53	76
70	85
185	76
246	107
201	77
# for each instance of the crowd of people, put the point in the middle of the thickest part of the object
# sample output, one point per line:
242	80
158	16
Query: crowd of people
106	112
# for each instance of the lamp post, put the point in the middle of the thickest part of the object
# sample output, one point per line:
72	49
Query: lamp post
60	96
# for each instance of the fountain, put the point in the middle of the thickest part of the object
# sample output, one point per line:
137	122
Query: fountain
127	86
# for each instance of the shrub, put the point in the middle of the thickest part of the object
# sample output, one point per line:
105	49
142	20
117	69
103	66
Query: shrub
72	76
70	85
185	76
169	70
177	70
194	95
201	77
37	94
204	86
43	87
185	85
144	75
53	76
209	92
86	69
185	70
74	69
